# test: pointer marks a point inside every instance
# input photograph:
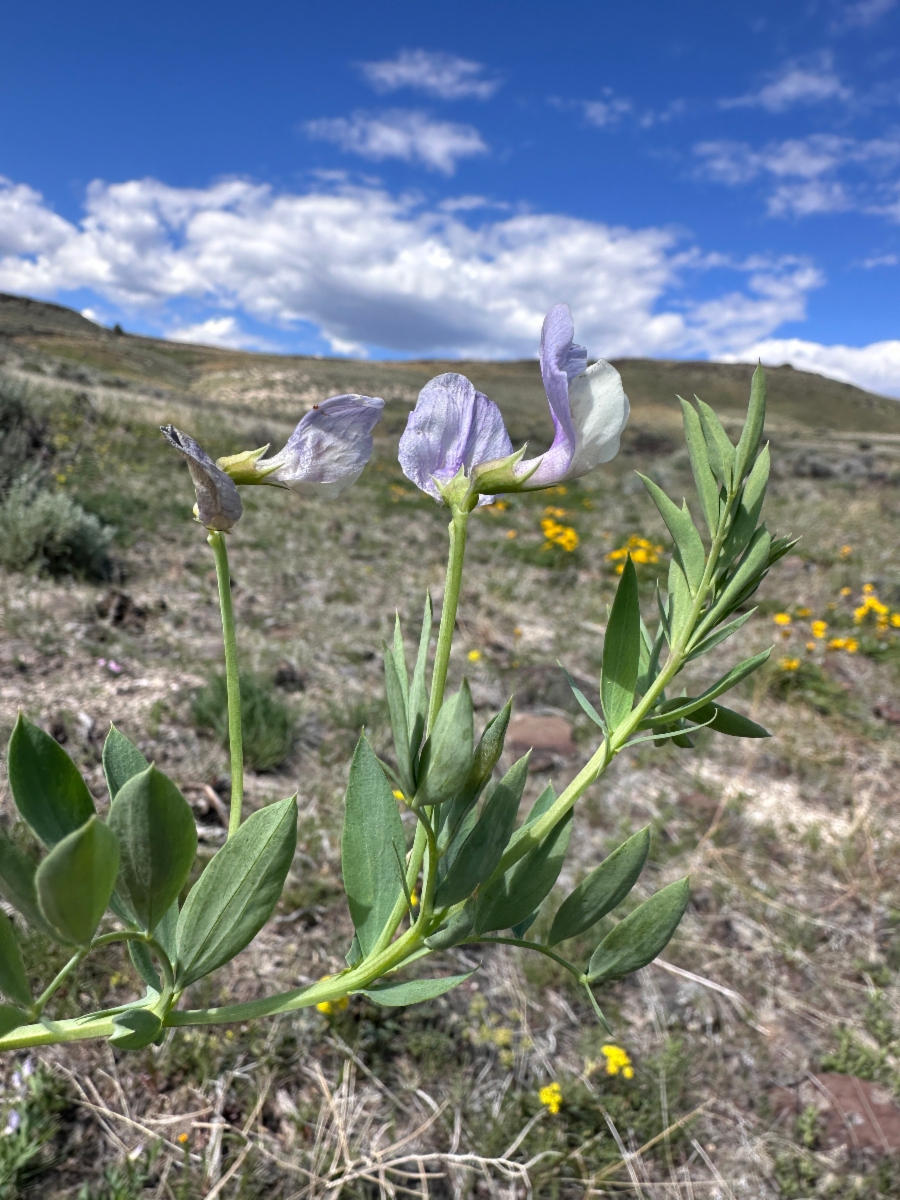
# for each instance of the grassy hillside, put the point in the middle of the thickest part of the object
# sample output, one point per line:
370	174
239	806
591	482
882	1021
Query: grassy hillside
784	971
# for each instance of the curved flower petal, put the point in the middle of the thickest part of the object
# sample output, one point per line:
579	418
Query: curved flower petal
328	449
588	405
453	426
218	503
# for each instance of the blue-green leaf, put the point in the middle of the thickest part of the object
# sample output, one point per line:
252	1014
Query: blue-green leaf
135	1028
447	755
157	839
482	850
121	761
13	980
520	890
707	488
371	841
718	444
399	721
753	426
413	991
621	650
46	785
641	936
600	892
237	892
418	692
684	534
18	887
75	881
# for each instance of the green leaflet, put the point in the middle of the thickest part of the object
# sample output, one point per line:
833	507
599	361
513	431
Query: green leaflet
135	1028
18	887
486	757
545	801
454	932
680	599
683	706
641	936
707	488
713	640
753	426
235	895
400	660
621	650
142	960
684	534
121	761
513	897
399	721
718	445
749	510
725	720
602	890
371	841
482	850
447	755
11	1018
413	991
46	785
583	701
75	881
13	980
418	692
157	839
754	562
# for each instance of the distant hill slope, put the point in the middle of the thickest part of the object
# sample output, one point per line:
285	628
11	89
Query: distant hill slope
58	342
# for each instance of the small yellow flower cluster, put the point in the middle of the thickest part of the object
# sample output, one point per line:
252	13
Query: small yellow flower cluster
871	604
558	535
559	513
845	551
640	549
819	629
474	656
851	645
551	1097
617	1061
789	664
330	1007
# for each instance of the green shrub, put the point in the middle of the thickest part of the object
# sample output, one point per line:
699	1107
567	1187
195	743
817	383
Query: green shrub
23	432
49	531
269	725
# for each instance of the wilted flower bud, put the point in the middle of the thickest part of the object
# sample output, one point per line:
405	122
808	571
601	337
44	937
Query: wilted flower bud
218	503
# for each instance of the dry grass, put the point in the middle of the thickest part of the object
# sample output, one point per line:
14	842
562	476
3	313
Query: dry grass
786	961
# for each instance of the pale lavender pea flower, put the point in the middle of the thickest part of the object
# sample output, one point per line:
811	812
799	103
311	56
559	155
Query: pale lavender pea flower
328	449
326	453
454	428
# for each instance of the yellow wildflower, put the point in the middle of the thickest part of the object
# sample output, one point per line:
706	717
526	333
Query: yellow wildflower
803	612
845	551
498	506
511	533
183	1138
868	587
818	628
558	535
810	645
845	591
474	656
782	618
398	795
502	1036
551	1097
851	645
895	620
617	1061
414	899
329	1007
550	511
641	550
789	664
558	490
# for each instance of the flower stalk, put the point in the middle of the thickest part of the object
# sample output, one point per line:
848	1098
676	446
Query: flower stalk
232	680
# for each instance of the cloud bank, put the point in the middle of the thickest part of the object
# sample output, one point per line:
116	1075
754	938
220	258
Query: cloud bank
372	272
401	133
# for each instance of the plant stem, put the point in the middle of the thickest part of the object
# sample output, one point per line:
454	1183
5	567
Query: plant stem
458	528
232	680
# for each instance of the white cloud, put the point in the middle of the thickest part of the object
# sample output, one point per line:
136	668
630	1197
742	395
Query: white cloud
219	331
881	260
792	86
442	75
368	269
609	111
816	162
401	133
864	13
875	367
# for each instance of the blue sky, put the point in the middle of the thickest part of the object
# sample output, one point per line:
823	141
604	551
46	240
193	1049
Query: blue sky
414	179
